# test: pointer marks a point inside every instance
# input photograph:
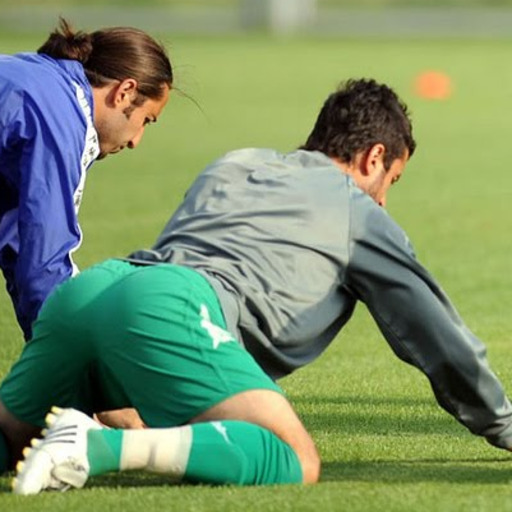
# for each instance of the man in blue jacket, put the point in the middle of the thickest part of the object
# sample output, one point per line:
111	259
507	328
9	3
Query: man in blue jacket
79	98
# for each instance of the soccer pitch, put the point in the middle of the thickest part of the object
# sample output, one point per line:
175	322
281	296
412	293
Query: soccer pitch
385	443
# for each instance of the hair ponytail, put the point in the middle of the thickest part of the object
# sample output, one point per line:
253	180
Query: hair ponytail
64	43
115	53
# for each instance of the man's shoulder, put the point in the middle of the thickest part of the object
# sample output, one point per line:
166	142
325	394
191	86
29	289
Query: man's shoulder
260	158
39	75
250	154
373	224
240	162
310	174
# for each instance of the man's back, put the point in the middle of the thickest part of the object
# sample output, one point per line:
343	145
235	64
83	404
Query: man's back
276	231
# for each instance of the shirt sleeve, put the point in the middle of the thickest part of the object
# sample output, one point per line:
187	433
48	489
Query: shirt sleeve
422	327
47	222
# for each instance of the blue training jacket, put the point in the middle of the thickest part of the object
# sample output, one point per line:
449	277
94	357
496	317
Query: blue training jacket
47	143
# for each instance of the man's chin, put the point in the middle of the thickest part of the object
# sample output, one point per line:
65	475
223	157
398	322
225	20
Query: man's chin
102	156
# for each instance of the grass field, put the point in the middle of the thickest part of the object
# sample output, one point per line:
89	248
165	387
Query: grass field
385	443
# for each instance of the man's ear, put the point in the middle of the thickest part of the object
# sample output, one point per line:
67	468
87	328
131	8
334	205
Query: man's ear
374	159
125	92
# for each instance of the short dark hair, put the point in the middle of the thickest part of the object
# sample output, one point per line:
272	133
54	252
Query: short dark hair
358	115
115	53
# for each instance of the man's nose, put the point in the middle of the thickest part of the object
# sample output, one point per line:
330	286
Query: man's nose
135	141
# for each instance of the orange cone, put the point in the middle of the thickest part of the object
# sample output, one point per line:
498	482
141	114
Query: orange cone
433	85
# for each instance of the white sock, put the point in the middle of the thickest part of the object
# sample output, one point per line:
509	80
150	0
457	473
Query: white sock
161	450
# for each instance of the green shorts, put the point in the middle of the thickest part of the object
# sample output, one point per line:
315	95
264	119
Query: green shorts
121	335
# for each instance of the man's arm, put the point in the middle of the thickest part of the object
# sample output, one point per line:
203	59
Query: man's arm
47	221
423	328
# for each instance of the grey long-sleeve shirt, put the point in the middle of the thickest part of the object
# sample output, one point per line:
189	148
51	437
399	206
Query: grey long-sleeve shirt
290	243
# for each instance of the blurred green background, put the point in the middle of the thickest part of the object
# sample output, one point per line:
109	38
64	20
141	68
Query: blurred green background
357	18
230	3
385	443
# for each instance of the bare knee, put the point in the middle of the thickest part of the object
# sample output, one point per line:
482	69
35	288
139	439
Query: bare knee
301	442
17	433
272	411
311	466
120	418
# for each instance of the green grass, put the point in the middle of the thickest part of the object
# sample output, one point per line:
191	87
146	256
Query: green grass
385	444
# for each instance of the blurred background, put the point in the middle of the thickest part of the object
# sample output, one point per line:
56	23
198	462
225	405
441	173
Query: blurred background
322	17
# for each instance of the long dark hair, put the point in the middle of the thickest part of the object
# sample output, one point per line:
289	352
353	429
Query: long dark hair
115	53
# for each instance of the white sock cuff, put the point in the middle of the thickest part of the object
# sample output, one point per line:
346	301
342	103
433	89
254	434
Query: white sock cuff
162	450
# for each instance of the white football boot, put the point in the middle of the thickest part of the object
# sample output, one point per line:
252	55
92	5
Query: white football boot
59	460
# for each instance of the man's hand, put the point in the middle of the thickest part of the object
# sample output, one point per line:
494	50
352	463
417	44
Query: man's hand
120	418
